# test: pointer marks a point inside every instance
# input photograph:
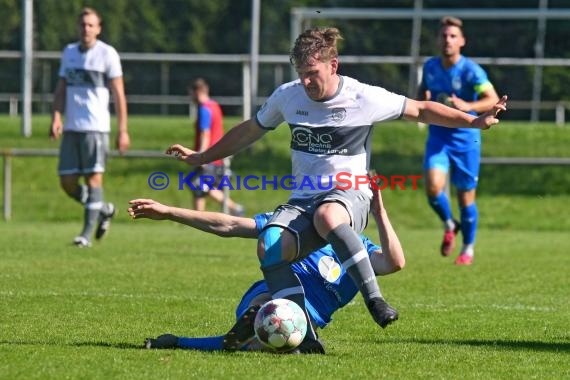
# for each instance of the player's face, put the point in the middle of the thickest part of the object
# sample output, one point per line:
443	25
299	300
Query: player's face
318	78
89	29
451	41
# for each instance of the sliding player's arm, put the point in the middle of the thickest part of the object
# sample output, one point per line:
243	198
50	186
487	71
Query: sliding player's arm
390	258
216	223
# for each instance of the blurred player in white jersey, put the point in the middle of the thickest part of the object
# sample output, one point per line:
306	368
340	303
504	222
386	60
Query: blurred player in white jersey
81	113
331	118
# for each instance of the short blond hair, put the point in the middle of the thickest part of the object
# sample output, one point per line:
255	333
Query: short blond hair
89	11
321	42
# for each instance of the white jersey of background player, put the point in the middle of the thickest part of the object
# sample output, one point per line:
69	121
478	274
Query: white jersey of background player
87	95
90	69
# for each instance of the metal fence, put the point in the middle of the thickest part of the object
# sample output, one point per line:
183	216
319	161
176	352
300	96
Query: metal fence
299	18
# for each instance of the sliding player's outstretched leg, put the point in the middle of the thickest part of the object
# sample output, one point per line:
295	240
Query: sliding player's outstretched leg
281	281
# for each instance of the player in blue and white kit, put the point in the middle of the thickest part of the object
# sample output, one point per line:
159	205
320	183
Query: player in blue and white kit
328	286
461	83
331	118
87	68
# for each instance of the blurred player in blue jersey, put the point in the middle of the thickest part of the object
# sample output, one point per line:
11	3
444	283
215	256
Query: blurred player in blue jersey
458	82
327	285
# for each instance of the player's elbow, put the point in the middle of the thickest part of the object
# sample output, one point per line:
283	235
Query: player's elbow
399	262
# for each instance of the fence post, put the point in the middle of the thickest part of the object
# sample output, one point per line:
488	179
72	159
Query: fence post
13	106
227	174
560	117
7	185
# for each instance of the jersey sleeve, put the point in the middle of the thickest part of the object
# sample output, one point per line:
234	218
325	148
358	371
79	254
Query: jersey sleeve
61	71
383	104
205	118
261	220
270	115
480	80
423	83
114	69
369	245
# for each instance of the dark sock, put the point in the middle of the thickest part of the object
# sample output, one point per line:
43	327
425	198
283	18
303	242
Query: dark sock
284	283
355	260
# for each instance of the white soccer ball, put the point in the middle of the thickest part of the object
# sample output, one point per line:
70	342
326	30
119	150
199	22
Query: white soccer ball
280	324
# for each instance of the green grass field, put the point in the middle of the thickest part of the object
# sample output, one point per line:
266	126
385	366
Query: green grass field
70	313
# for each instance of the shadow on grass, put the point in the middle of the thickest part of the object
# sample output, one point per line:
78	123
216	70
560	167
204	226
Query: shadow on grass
502	344
128	346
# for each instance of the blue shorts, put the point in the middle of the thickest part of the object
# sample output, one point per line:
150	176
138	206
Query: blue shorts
464	164
254	290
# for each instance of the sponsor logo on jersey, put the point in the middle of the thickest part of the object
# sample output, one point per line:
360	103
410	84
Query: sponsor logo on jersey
338	114
84	78
305	137
329	140
329	269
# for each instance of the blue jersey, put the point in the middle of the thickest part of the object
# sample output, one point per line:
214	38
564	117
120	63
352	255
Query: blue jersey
466	80
327	285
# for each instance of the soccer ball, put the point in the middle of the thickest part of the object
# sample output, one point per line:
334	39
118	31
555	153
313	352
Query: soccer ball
280	324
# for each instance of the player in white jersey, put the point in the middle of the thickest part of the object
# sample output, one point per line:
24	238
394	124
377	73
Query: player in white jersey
336	113
88	68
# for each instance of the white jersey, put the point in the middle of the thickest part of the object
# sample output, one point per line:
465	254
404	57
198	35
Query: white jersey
330	140
87	95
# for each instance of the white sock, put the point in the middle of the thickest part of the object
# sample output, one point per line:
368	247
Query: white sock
468	249
449	225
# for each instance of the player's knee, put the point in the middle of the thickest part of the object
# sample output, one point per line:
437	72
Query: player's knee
269	246
272	248
328	216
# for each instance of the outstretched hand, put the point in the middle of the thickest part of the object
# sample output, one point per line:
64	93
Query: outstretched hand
147	208
376	204
489	118
185	154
